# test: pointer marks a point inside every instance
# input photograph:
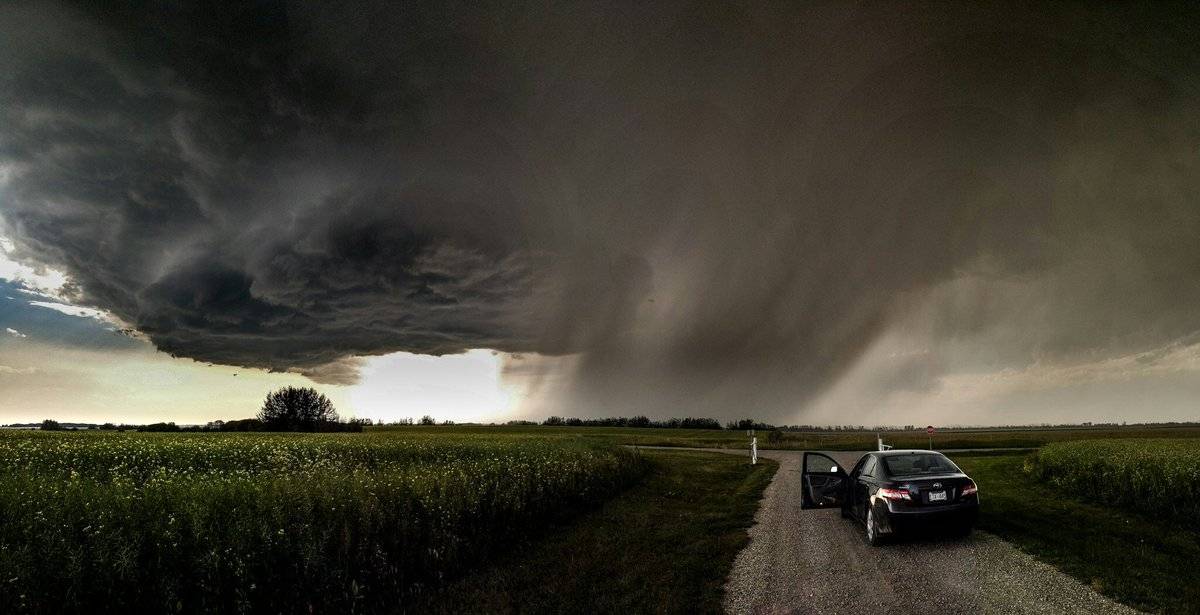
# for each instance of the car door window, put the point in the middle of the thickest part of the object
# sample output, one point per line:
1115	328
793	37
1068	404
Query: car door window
816	463
824	481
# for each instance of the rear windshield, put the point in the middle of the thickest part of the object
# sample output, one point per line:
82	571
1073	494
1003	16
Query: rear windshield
917	464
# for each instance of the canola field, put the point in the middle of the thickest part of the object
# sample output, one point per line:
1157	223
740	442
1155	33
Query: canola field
1155	476
275	522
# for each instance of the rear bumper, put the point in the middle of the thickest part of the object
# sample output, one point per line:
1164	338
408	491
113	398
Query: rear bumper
957	515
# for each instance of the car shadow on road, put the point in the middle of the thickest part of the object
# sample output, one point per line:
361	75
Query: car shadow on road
927	538
918	537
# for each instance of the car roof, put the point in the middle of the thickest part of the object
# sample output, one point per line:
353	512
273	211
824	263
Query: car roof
907	451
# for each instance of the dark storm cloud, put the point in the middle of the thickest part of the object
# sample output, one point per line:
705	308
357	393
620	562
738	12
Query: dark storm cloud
235	186
720	207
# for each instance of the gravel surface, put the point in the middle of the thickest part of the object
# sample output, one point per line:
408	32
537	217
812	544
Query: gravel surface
813	561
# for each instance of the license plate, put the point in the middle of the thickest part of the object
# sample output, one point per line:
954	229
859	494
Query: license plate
937	496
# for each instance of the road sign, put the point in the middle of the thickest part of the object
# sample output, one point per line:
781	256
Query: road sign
929	430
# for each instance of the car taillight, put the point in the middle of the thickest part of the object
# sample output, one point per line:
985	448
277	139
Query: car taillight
893	494
970	489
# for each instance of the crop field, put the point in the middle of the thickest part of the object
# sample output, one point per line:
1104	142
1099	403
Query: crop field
1160	477
807	440
283	522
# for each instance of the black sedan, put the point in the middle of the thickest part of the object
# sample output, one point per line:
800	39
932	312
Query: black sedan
890	491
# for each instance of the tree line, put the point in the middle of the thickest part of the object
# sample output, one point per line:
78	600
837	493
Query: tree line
307	410
690	422
287	409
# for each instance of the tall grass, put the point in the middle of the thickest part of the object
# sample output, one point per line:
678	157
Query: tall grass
1160	477
280	523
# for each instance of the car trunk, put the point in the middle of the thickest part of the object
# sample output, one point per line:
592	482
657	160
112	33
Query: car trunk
932	491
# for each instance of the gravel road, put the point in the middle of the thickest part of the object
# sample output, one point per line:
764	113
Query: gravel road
813	561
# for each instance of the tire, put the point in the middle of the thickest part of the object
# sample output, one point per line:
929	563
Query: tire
872	531
845	512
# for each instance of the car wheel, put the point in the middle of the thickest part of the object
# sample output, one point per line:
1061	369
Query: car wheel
873	537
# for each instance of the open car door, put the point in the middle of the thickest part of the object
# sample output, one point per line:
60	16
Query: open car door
824	483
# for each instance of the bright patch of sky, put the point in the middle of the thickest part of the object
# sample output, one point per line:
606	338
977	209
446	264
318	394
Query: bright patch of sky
466	387
70	310
40	280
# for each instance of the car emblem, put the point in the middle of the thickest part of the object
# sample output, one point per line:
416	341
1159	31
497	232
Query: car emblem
937	485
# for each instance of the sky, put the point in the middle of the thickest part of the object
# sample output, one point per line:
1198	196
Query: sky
829	213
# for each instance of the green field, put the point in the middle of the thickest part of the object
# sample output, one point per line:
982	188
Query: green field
460	518
805	440
277	522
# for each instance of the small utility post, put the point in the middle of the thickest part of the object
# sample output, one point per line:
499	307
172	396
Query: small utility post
753	448
880	444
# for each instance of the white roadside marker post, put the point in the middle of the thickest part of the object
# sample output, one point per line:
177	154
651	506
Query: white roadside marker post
882	446
753	448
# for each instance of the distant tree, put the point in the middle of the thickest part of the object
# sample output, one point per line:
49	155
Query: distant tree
296	409
159	427
243	425
553	421
51	425
428	420
692	422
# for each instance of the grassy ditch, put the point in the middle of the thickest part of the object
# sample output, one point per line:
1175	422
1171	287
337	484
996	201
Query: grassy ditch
664	546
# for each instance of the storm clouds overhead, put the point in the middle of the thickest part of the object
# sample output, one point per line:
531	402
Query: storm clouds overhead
787	211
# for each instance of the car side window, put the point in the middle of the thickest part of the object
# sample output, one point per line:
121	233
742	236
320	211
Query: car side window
869	468
858	467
